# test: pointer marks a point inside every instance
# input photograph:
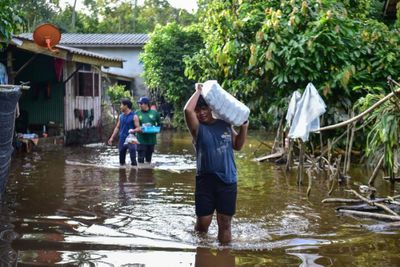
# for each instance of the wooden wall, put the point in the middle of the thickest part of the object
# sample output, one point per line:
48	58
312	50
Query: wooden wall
72	102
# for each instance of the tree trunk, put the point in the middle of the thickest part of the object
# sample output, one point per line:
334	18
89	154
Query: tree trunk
73	17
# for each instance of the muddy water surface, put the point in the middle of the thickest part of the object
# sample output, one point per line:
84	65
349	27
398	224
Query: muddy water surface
74	206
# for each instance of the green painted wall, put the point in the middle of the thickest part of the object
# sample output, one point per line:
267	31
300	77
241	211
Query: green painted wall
44	101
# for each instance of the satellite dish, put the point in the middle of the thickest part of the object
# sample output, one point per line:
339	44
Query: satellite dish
47	35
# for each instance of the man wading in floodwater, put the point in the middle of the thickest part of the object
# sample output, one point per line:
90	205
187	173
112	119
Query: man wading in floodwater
216	179
127	121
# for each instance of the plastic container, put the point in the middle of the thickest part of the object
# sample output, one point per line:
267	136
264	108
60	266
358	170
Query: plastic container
151	129
224	105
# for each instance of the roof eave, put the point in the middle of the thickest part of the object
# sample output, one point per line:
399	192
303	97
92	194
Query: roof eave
80	45
65	54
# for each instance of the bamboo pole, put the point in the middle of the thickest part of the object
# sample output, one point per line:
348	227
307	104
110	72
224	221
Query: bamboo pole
310	170
352	131
371	215
289	156
334	177
362	114
347	146
389	199
309	174
341	200
278	136
375	172
321	143
300	173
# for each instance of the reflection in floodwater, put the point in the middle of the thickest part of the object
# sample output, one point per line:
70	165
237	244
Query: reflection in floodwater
8	256
75	207
206	257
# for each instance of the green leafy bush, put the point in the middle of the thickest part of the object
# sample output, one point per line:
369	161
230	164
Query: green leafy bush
116	92
164	66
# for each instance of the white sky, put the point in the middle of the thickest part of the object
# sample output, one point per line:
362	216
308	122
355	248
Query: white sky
189	5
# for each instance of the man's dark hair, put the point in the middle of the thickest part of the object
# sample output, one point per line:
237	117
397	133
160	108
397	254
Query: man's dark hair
201	102
126	102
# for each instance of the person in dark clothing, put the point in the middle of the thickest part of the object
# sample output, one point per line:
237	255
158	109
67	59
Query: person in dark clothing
127	122
216	178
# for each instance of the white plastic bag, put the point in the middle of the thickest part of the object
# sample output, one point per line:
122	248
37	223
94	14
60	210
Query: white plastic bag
306	117
224	105
131	138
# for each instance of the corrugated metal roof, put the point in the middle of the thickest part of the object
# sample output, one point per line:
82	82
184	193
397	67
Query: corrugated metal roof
74	50
100	39
104	40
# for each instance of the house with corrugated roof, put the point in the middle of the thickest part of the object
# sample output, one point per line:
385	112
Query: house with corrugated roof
126	46
65	92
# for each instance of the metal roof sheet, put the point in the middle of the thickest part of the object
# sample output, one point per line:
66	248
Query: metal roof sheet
74	50
104	40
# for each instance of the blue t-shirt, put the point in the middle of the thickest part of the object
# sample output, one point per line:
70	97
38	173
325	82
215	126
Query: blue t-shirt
215	152
125	123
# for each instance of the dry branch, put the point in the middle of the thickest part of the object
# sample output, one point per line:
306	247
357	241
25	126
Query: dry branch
382	206
371	215
341	200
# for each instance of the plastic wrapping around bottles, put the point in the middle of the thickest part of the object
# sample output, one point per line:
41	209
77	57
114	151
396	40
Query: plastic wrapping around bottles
224	105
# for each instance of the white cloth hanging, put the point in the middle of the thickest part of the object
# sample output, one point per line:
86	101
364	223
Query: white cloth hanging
306	118
296	96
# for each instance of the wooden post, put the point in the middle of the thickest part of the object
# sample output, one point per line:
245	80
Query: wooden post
289	155
300	174
10	67
347	146
277	137
350	148
321	144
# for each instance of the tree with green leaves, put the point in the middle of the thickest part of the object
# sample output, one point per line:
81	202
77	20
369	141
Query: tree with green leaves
164	66
36	12
116	16
116	92
100	16
262	51
10	19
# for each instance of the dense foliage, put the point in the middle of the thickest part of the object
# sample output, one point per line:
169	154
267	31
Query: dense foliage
116	92
99	16
164	65
10	19
382	127
262	51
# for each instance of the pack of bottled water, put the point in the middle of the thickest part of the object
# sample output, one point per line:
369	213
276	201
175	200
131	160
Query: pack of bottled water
224	105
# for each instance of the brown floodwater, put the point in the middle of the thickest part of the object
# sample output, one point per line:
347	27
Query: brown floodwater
73	206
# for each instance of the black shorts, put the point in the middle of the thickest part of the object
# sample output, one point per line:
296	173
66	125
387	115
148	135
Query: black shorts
213	194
